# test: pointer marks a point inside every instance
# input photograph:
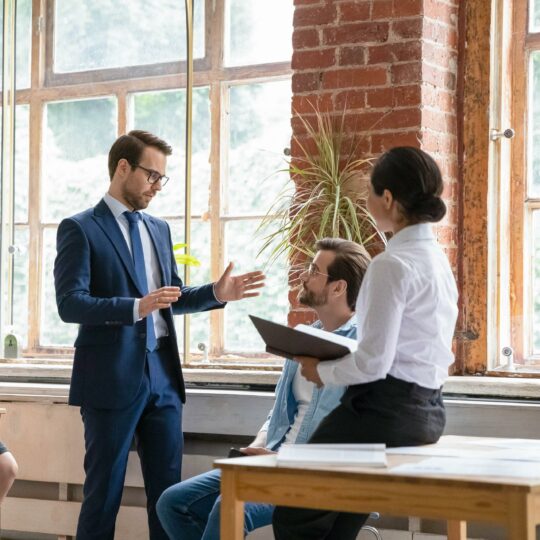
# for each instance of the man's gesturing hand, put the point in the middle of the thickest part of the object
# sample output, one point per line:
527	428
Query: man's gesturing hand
158	299
229	288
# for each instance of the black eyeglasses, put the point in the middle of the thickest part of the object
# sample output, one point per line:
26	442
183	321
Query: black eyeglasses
153	176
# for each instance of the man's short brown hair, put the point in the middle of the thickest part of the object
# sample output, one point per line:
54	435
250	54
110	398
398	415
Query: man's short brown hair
131	146
350	264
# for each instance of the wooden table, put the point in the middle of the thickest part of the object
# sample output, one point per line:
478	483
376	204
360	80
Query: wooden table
511	502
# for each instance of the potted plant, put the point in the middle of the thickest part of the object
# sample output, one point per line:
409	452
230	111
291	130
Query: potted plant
322	198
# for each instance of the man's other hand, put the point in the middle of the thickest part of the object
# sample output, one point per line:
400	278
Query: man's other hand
255	451
158	299
229	288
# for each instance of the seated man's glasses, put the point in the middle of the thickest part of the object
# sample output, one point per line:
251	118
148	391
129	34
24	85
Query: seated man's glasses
153	176
312	270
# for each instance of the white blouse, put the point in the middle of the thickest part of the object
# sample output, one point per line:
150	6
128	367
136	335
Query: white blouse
406	314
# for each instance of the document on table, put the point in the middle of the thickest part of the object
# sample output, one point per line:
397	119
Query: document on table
335	455
519	444
432	450
505	449
470	467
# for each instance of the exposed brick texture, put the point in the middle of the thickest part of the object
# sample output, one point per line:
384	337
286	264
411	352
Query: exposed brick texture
391	65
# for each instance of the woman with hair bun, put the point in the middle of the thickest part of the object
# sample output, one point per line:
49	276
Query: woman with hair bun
406	314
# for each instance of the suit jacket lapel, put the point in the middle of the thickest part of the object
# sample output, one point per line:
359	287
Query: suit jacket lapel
105	219
158	242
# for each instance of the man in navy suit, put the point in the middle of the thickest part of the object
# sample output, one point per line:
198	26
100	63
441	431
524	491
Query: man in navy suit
115	276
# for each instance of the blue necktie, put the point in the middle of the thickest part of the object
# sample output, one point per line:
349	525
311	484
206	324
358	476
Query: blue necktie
140	271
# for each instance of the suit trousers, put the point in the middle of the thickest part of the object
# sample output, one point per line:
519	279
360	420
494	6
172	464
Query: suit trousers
389	411
154	421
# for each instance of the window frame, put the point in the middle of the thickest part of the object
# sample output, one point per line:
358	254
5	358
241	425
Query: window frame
46	86
520	319
492	270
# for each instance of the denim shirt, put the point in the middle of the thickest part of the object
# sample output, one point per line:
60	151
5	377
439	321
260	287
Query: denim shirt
323	400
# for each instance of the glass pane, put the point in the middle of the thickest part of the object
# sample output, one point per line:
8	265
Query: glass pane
533	167
260	128
258	32
200	241
241	248
534	16
23	42
20	284
163	113
77	137
103	34
54	332
21	163
536	282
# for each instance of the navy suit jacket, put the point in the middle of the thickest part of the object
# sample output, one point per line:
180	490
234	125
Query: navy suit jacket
96	285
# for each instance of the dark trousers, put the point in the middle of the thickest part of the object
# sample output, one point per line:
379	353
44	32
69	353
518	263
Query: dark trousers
389	411
154	420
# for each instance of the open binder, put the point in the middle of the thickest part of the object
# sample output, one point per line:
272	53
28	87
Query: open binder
303	340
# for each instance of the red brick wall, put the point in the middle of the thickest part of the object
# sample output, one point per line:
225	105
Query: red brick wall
392	66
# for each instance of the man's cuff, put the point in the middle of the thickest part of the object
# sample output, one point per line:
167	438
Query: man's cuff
216	296
136	316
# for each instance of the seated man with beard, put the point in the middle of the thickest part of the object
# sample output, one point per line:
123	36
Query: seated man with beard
330	284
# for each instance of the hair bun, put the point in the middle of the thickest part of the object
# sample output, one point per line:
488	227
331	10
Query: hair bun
428	208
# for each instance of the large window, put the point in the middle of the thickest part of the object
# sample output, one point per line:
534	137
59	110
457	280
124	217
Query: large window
514	210
94	70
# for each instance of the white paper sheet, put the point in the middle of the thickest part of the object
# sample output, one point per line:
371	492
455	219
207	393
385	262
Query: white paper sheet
506	443
499	449
470	467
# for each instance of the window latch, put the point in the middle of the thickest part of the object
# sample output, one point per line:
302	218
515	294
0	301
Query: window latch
507	134
508	354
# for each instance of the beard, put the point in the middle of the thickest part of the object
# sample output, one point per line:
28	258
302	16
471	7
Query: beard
138	202
311	299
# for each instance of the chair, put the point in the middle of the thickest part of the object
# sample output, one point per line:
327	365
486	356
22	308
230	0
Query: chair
373	530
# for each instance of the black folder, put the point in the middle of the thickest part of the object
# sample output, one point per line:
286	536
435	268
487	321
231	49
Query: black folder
284	341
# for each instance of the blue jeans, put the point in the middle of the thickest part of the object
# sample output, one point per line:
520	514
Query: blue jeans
190	510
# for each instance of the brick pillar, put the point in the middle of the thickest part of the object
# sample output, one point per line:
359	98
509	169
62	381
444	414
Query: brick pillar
392	66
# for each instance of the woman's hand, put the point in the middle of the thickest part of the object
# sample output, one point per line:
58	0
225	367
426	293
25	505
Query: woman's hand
308	369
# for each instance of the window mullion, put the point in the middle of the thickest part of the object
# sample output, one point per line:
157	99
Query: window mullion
218	161
518	268
214	49
35	240
122	111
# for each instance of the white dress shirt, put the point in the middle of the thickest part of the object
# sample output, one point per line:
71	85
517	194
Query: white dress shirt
406	314
151	263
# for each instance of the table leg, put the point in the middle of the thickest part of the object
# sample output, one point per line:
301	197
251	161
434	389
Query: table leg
521	523
232	509
456	530
521	530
